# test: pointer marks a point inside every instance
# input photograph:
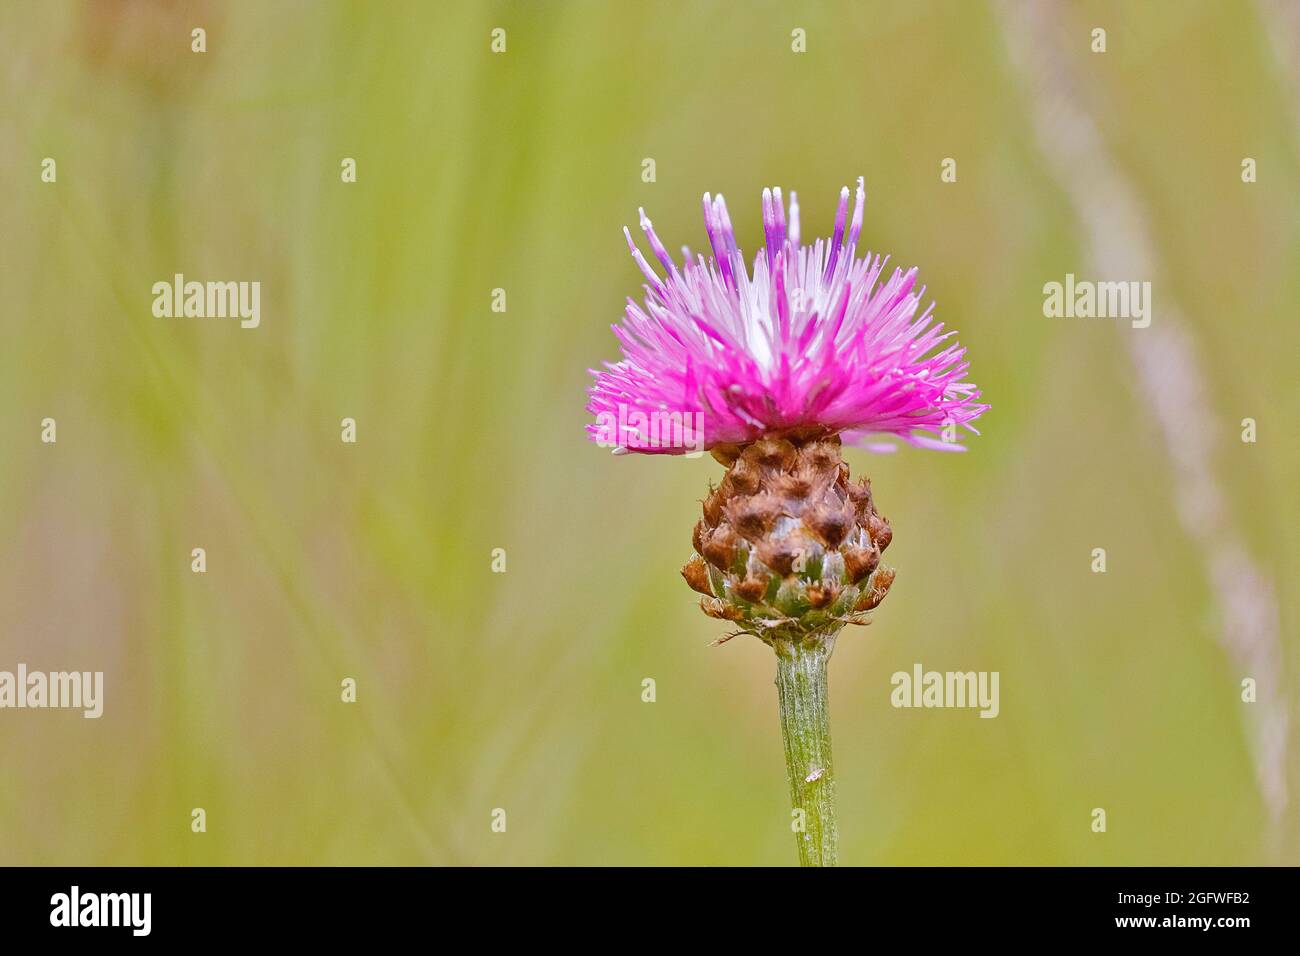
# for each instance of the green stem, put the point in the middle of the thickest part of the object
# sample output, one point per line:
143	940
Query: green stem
806	730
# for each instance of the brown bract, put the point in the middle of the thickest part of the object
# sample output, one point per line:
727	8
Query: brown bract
788	546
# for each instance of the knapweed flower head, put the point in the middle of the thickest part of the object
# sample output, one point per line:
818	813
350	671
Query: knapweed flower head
772	368
813	340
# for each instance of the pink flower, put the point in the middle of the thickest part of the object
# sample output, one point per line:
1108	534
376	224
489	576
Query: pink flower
810	342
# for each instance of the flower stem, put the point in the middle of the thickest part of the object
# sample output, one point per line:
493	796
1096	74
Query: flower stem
806	731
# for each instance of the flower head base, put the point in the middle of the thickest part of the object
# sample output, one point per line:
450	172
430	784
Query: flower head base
810	342
788	548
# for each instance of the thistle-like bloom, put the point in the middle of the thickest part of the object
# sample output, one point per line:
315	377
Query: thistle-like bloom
813	341
772	370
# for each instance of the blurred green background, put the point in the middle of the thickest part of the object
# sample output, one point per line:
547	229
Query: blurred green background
522	690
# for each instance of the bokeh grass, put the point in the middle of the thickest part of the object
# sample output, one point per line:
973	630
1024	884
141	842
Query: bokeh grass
522	690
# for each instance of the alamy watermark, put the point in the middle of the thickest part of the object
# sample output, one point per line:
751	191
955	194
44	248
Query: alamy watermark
1085	299
75	908
660	429
71	690
922	688
208	300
